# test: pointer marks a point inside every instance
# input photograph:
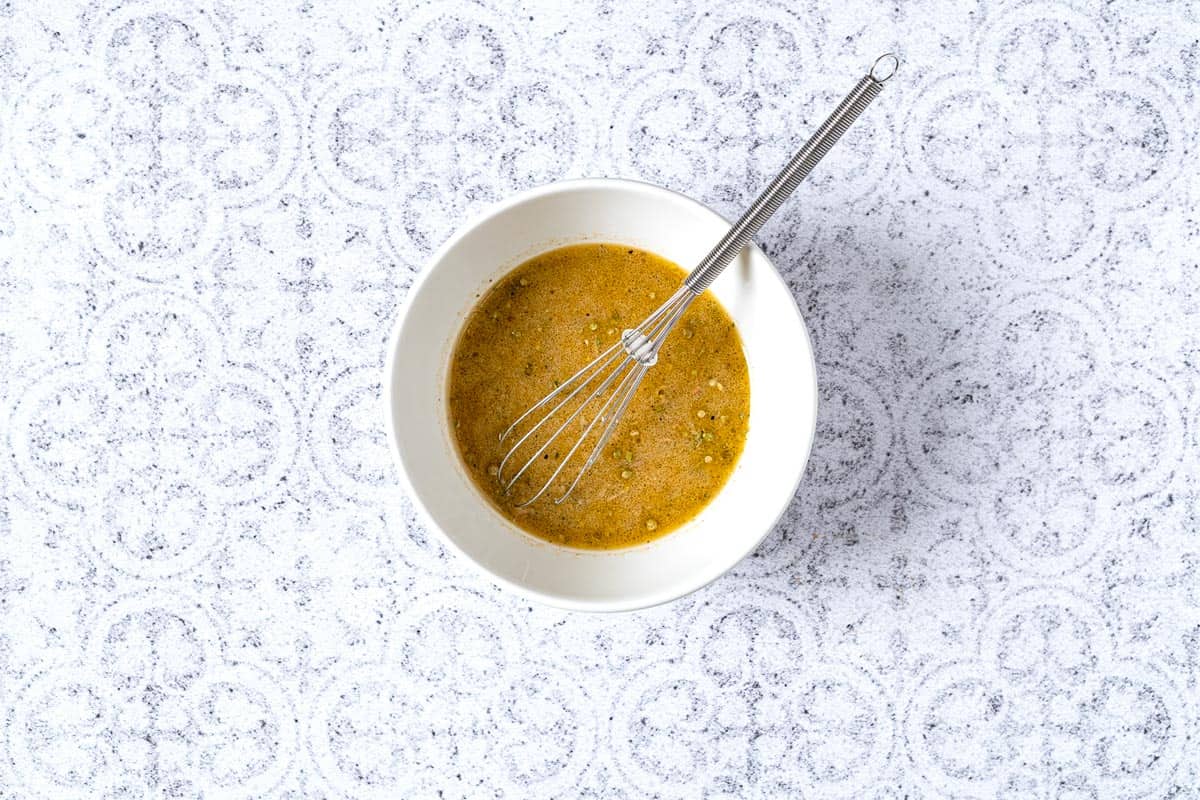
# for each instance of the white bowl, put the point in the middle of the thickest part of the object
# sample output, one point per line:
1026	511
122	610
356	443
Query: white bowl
783	396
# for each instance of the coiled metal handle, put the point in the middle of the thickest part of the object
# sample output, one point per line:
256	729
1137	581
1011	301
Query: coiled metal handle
797	169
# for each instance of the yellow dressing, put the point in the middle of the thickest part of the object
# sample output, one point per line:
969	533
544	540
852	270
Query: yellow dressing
680	437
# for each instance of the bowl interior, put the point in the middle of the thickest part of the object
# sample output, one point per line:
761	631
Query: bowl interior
782	396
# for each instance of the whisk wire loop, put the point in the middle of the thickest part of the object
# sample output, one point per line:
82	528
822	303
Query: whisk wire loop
637	349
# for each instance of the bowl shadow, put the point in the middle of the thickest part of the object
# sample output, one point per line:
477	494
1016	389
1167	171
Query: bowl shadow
883	316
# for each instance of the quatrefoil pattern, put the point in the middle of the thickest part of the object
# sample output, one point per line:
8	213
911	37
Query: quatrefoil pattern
211	584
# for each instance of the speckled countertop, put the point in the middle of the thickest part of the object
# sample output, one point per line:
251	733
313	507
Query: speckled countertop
211	586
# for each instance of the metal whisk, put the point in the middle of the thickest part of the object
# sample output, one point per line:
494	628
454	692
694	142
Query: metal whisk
625	363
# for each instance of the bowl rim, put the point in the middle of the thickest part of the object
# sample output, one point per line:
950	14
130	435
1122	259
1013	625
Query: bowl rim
633	603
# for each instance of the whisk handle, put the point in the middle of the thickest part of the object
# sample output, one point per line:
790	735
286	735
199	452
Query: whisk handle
797	169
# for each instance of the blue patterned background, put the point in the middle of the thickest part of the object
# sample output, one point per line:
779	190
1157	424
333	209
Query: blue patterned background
988	585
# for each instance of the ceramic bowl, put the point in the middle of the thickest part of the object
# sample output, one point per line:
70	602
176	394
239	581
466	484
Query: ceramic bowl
783	396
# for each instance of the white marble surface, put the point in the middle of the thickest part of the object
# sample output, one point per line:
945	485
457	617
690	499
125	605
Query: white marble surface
988	585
